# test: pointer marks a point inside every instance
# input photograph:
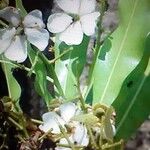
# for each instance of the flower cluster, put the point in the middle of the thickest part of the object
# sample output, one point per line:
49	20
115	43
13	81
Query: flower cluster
79	18
71	119
62	118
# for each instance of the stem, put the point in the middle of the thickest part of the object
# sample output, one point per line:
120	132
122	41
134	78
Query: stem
33	64
61	55
15	123
23	68
92	137
66	137
44	135
36	121
52	73
68	146
98	42
113	145
81	97
100	30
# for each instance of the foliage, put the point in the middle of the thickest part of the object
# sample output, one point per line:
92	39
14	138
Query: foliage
122	51
118	80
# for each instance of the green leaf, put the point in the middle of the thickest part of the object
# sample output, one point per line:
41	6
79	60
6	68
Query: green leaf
19	5
14	89
121	52
41	84
133	103
70	66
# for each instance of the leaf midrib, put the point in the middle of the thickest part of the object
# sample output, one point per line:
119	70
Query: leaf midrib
120	50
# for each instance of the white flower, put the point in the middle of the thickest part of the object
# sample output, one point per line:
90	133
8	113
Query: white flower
52	122
13	41
80	18
79	137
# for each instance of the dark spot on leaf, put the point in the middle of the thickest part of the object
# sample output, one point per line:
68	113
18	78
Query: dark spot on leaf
130	84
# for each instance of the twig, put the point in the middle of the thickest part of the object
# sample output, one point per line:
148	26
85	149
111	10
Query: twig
61	55
24	68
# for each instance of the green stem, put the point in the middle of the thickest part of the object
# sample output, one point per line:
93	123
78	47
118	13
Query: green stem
33	64
113	145
52	73
81	97
23	68
92	138
61	55
98	42
15	123
36	121
66	137
44	135
68	146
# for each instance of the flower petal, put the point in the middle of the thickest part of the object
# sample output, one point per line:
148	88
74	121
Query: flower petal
73	35
17	50
67	111
51	122
63	141
6	36
11	15
34	19
58	22
114	129
69	6
80	135
88	23
37	37
87	6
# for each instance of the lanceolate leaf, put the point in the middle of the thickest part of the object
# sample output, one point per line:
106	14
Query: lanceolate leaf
121	52
70	66
133	103
14	89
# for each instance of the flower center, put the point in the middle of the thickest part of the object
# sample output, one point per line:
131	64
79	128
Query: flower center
20	30
75	17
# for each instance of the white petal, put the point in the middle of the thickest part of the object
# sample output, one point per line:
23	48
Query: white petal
6	36
11	15
73	35
69	6
88	23
114	129
67	111
17	50
51	122
80	135
34	19
37	37
63	141
87	6
58	22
